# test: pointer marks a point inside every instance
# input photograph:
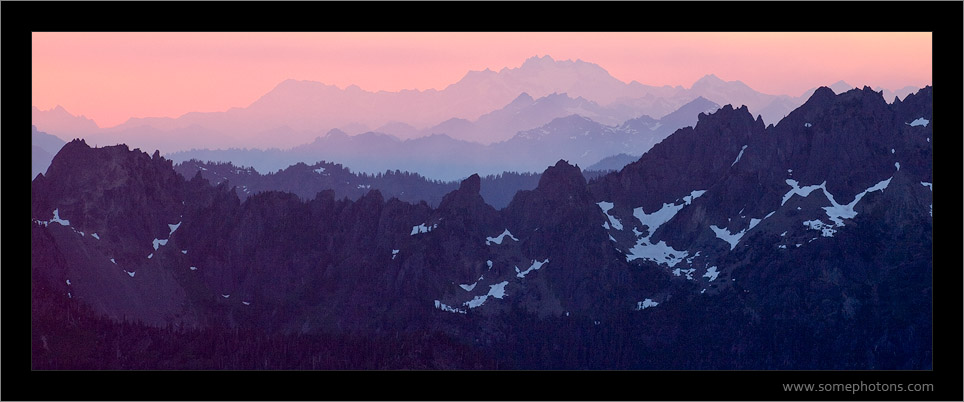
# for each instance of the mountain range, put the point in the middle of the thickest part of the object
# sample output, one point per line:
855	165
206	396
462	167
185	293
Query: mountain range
477	108
729	244
578	139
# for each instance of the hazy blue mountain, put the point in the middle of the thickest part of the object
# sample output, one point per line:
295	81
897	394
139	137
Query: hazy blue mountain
59	121
575	138
613	163
44	147
479	107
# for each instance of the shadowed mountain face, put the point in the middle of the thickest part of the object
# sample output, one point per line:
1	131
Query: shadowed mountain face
778	241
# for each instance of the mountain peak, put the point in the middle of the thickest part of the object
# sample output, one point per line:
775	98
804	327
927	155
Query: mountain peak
709	79
536	60
821	94
336	133
562	174
841	87
471	184
523	98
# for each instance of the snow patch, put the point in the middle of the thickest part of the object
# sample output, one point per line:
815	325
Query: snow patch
193	268
56	218
928	185
112	260
422	228
893	151
693	195
919	122
94	235
807	125
783	234
445	307
838	212
246	303
489	263
225	296
364	186
687	272
173	227
801	191
897	165
754	222
129	273
158	243
825	229
394	254
711	273
739	156
611	238
498	239
468	288
783	246
535	266
606	206
68	282
183	251
497	291
660	252
320	170
646	304
725	235
149	256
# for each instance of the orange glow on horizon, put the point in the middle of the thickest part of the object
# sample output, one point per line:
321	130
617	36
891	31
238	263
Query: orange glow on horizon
110	77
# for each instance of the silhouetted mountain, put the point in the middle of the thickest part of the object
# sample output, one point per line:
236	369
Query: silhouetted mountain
778	241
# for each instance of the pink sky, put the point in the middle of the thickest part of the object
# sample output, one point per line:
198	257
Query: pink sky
110	77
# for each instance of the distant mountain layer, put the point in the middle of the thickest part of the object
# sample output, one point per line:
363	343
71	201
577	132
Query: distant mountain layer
44	147
575	138
612	163
484	106
728	245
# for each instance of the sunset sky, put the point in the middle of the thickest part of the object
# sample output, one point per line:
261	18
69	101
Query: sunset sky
110	77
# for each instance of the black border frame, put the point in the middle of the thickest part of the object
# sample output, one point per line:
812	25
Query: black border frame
21	18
